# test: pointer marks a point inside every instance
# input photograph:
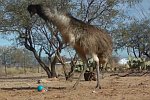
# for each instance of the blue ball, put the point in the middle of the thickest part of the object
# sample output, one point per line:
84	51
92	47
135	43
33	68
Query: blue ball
40	88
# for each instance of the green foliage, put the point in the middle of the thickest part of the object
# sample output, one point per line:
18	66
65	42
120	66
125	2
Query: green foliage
147	65
15	20
135	36
136	63
16	57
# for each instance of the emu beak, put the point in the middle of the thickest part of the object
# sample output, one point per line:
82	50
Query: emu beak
31	14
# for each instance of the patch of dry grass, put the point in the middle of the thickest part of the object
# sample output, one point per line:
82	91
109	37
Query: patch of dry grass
18	70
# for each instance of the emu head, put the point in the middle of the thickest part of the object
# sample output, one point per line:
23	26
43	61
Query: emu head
32	9
37	9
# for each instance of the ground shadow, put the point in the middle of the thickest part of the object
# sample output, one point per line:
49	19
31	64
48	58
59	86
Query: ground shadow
36	77
31	88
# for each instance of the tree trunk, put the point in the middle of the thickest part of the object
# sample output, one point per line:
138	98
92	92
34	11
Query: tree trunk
63	64
53	69
134	52
146	54
29	45
128	51
5	69
49	74
43	65
71	73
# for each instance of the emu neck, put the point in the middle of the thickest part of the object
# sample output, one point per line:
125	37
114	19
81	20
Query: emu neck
58	19
61	21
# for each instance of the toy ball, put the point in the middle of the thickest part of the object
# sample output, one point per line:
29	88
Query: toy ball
43	90
40	88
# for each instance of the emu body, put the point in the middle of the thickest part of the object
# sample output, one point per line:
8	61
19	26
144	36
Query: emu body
84	38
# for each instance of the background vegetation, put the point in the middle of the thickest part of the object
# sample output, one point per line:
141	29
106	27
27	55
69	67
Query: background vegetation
34	41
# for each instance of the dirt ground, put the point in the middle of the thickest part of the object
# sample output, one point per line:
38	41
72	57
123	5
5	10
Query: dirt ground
113	88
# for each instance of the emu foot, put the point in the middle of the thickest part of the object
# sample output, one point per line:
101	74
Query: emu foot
74	86
98	87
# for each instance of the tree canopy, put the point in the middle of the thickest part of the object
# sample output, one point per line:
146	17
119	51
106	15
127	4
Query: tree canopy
42	38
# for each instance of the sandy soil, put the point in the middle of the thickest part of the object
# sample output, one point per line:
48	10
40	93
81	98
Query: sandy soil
113	88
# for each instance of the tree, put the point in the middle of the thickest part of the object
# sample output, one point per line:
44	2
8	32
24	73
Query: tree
33	35
39	37
15	57
5	57
135	36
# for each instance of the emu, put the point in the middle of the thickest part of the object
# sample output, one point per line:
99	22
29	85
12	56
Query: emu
86	39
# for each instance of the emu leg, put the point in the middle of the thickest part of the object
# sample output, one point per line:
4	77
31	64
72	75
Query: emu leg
81	75
98	73
104	66
102	71
95	57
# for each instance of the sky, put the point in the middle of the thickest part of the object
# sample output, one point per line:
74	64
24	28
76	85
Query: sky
140	10
135	11
4	41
